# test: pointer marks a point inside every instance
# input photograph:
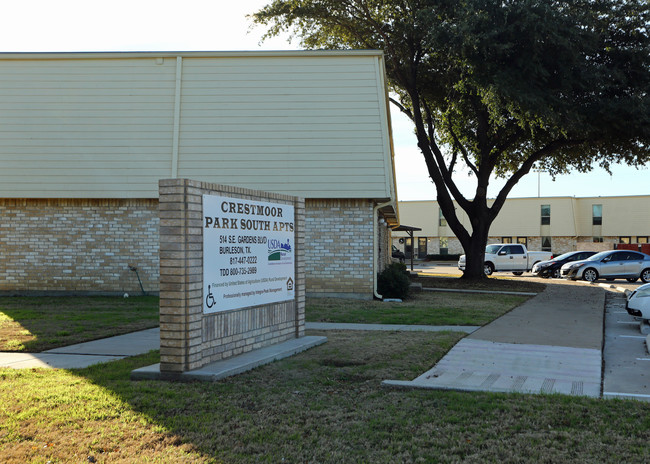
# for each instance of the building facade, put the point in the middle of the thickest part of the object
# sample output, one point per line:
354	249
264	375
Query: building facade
556	224
85	138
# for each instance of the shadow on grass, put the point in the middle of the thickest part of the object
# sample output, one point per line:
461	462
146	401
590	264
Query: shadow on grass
33	324
323	405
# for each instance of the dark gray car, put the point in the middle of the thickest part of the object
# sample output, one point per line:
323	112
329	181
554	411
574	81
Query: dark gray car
613	264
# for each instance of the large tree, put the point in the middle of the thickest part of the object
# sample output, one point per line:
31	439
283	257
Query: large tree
499	86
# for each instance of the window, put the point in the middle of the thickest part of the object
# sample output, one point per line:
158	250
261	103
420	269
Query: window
626	240
515	250
546	244
506	239
522	241
598	240
442	222
546	215
642	239
444	245
597	215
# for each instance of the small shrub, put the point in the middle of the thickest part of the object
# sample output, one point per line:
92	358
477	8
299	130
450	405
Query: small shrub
394	282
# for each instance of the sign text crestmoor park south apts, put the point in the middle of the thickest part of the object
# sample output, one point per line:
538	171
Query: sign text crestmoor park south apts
248	253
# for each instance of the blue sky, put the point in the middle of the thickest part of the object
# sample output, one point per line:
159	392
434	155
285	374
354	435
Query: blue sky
151	25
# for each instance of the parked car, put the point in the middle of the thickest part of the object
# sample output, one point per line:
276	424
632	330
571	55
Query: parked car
511	257
552	267
613	264
638	303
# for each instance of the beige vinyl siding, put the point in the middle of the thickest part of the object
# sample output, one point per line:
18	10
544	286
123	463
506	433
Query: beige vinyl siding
624	216
422	214
303	126
84	127
313	124
521	217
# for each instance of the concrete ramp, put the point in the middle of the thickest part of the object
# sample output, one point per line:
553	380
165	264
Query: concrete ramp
550	344
479	365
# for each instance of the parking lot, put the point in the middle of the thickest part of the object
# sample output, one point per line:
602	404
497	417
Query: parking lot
626	362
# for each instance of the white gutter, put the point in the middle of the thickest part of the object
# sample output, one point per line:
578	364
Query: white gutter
375	252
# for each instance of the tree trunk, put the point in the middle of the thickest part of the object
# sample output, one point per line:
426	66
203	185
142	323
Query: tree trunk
475	251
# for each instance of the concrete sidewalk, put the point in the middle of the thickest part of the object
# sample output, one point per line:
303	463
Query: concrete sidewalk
113	348
551	344
86	354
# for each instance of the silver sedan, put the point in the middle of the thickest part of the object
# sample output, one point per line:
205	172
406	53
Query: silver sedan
613	264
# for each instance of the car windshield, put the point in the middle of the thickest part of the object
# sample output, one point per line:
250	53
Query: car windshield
492	249
599	256
643	291
565	255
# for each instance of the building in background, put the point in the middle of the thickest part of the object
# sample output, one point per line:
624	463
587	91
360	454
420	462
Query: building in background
556	224
85	138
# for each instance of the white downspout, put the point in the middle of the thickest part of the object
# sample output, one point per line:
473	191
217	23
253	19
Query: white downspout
375	246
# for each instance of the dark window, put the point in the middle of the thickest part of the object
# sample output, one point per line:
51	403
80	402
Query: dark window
546	214
632	256
597	215
598	240
515	250
546	243
442	222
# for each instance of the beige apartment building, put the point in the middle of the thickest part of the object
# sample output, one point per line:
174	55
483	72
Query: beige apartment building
86	137
557	224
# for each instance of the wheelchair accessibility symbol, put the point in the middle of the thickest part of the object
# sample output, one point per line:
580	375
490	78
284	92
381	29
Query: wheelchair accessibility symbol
209	300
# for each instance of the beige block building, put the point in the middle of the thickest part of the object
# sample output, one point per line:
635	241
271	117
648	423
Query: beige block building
557	224
85	138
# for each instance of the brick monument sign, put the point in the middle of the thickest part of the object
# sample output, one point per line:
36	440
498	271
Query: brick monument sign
232	278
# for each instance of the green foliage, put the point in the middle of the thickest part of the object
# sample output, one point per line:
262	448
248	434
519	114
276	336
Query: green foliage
394	282
495	88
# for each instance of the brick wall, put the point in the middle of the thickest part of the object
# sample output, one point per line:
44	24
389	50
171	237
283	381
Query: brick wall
190	339
339	248
87	245
78	245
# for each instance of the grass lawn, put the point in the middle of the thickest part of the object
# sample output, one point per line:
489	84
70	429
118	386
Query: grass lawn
428	308
325	405
34	324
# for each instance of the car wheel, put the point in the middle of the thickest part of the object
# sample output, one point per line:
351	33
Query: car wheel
632	280
645	276
488	268
591	275
518	273
557	274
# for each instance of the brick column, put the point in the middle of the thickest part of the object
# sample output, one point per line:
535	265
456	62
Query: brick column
180	274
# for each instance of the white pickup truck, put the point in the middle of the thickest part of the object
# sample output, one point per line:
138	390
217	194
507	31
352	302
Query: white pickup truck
510	257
